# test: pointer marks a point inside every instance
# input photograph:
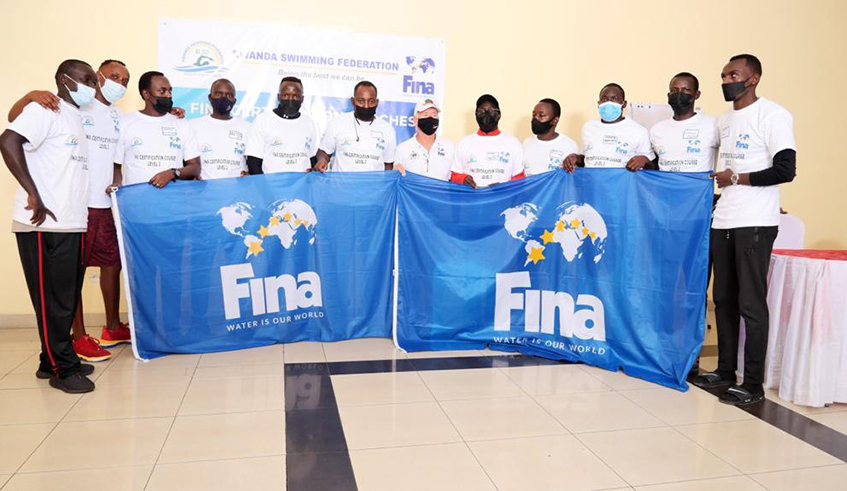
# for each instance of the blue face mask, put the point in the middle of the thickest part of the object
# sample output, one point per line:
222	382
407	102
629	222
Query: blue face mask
83	93
112	91
610	111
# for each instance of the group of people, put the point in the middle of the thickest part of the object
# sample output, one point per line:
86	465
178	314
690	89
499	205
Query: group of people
68	150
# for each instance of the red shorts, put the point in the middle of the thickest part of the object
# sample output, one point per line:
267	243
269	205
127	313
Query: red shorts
101	239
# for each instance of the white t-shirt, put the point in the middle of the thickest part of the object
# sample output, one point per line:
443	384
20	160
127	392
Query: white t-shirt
284	145
612	145
686	146
541	156
434	163
489	159
57	159
750	138
358	145
101	124
222	143
149	145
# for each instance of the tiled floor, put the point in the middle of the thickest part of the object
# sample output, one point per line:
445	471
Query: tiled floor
310	416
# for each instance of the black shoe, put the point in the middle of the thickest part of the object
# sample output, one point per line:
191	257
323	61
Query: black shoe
84	368
710	380
75	383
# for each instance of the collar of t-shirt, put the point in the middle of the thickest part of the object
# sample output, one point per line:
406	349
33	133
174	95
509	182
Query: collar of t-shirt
490	133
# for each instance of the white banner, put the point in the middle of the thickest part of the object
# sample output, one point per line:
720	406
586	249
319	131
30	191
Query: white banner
330	62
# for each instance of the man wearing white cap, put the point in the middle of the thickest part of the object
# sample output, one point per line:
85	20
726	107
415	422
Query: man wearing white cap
426	153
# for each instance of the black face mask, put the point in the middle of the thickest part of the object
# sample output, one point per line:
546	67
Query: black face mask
222	105
290	108
539	127
680	102
163	105
364	113
487	121
428	125
732	90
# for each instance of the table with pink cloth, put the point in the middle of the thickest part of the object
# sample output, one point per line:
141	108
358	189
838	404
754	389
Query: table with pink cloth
807	343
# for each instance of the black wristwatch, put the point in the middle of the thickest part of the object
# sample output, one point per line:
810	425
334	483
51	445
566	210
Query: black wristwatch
176	173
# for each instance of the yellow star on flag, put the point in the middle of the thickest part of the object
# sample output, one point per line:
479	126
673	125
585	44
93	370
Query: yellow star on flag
286	217
254	248
575	223
297	222
263	232
584	231
593	235
547	236
560	226
274	220
536	255
305	223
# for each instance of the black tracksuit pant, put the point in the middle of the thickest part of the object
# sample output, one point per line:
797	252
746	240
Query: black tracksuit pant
54	271
741	257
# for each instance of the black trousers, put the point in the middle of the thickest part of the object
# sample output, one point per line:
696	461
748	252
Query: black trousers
741	257
54	272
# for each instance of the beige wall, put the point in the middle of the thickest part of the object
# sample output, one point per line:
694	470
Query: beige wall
517	50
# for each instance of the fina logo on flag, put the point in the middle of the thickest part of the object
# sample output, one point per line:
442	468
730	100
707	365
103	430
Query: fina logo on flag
201	57
292	223
577	232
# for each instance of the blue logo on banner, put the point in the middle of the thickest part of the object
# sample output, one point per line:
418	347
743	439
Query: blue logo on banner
200	57
421	66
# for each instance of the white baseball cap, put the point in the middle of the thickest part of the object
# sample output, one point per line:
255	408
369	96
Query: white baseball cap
426	104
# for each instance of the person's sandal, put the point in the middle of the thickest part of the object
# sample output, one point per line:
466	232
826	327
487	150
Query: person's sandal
710	380
739	396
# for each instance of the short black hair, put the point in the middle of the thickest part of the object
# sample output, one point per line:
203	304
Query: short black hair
688	76
617	86
107	62
487	98
751	61
298	81
67	65
364	83
146	79
557	109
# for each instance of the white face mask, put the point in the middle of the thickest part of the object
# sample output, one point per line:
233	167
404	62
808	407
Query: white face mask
111	90
83	93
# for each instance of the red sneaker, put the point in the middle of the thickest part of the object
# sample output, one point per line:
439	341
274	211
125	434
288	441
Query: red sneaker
89	349
111	338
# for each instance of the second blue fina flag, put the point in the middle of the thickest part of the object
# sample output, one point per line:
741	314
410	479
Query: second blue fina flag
606	266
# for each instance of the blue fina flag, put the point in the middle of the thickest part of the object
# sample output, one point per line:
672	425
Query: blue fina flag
604	266
256	260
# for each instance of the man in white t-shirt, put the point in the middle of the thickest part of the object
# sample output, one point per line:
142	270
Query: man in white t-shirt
100	121
757	153
426	153
47	154
222	139
283	140
613	141
546	150
688	141
155	146
488	156
358	141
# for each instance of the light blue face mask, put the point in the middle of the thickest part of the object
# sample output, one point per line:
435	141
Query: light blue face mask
83	93
610	111
112	91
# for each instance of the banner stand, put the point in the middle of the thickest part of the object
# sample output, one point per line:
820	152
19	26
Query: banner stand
396	286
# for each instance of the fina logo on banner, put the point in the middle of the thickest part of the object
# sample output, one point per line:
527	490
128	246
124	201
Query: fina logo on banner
420	67
578	233
201	58
292	223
